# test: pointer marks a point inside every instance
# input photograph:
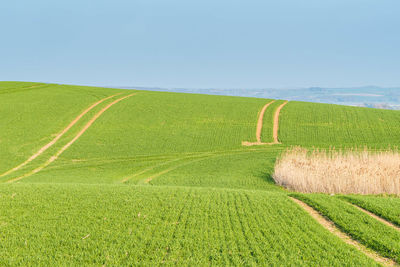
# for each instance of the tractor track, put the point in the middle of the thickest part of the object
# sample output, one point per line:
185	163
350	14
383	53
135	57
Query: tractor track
65	147
52	142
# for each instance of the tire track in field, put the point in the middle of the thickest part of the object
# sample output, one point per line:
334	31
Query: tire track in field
52	142
147	180
276	122
376	217
330	226
148	169
260	123
199	155
259	127
22	89
202	155
200	158
65	147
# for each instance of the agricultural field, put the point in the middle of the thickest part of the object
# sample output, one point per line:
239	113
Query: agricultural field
101	176
387	207
325	125
362	227
122	225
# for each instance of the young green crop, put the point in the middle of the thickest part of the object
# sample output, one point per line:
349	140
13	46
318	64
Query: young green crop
158	123
267	129
385	207
357	224
150	124
324	125
140	225
247	170
30	118
203	199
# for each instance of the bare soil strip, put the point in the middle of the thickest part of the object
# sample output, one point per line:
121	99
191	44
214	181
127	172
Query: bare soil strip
54	157
276	122
259	127
260	121
52	142
330	226
377	217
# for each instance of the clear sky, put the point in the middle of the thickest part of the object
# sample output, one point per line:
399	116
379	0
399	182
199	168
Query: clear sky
203	44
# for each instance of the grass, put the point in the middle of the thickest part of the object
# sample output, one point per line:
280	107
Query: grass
162	178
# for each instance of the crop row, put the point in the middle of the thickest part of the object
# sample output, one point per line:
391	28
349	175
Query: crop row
360	226
150	124
385	207
29	119
120	225
324	125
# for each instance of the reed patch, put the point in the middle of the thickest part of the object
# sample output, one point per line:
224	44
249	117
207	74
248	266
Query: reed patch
344	172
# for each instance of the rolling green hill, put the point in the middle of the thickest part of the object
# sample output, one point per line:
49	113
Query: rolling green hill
99	176
321	125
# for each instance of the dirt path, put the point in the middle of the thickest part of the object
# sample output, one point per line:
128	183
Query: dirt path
376	217
52	142
260	124
54	157
276	122
260	121
330	226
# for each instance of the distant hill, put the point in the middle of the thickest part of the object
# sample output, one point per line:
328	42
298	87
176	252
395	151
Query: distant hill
367	96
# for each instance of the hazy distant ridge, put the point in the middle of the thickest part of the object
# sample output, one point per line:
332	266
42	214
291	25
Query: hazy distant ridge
367	96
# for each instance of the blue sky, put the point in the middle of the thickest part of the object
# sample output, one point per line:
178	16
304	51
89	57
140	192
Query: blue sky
203	44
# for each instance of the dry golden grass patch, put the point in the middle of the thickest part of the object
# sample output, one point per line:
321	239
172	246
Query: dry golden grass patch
350	172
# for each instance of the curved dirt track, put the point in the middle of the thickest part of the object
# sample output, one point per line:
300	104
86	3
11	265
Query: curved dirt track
52	142
260	124
59	152
260	121
330	226
376	217
276	122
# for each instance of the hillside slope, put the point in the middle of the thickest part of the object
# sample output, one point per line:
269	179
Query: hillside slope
321	125
104	176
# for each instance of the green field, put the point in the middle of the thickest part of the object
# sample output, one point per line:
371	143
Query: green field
385	207
163	178
360	226
324	125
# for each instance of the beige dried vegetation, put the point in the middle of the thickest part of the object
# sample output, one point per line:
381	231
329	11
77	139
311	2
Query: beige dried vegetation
350	172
